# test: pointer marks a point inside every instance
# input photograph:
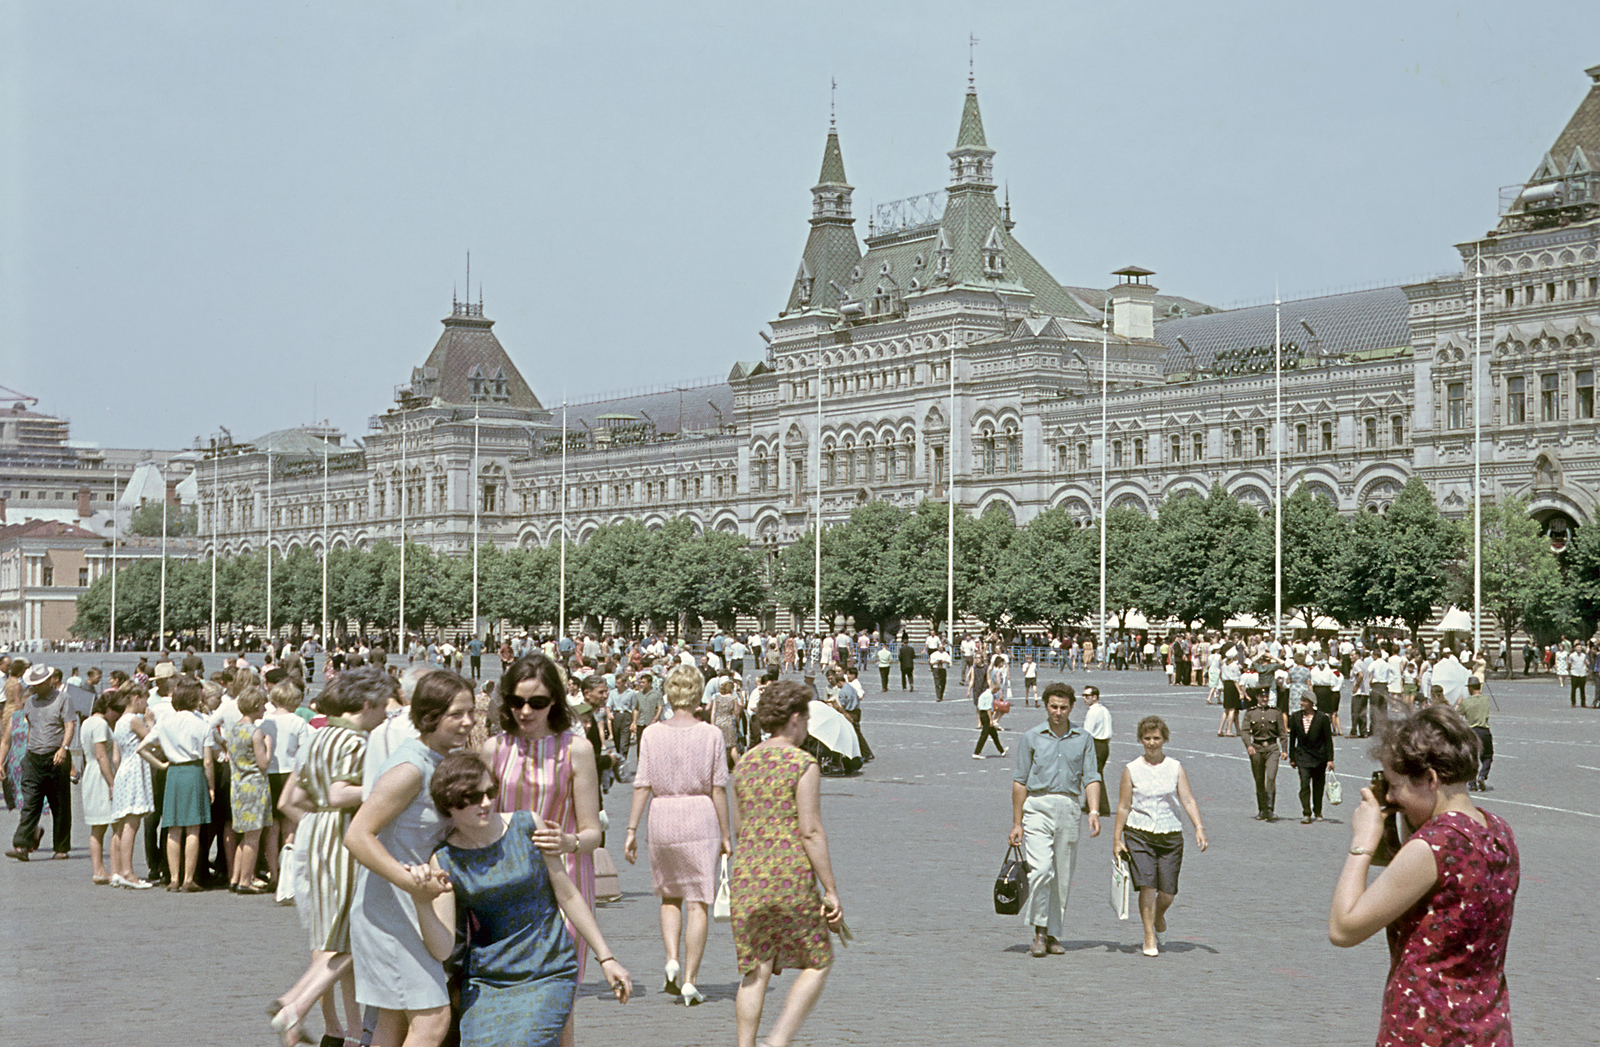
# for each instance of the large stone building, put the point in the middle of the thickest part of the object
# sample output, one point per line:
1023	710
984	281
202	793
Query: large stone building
938	354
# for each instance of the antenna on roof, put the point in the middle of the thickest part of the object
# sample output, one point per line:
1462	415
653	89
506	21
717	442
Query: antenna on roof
972	43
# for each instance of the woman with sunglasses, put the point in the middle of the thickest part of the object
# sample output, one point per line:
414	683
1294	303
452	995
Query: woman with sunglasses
520	962
392	835
542	765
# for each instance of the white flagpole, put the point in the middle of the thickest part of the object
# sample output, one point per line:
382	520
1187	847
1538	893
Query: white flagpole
216	506
816	537
269	642
116	540
403	492
325	625
161	631
1477	456
1105	457
477	497
561	611
1277	442
950	520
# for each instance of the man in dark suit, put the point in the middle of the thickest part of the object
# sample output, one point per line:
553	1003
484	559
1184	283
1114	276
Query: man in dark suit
1311	753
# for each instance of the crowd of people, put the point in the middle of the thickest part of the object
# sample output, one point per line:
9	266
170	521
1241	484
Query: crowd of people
402	808
393	817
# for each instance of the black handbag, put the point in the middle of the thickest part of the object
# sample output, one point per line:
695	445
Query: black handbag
1011	886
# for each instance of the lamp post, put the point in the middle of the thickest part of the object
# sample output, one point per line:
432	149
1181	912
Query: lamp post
116	540
325	624
1105	455
561	608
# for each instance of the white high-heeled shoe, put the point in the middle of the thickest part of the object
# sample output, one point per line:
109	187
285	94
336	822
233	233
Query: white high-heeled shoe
692	996
671	988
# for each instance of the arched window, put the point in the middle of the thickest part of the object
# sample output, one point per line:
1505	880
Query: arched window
849	460
1083	456
1116	454
1238	443
1177	448
1261	442
1199	447
1013	450
1138	451
1301	438
987	445
909	469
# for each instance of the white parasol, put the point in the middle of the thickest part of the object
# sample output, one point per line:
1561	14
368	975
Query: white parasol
1452	676
1456	620
834	730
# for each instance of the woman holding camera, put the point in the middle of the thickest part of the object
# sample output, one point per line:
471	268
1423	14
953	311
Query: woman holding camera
1447	896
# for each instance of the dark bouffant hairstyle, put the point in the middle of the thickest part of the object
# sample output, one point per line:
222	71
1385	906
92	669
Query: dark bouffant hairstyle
779	702
1434	737
458	774
1063	689
355	689
186	694
535	667
432	698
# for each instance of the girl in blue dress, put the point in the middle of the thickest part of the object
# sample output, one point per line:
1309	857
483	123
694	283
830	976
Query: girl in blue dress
520	962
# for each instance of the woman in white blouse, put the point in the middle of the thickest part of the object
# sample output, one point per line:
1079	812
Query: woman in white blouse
1148	834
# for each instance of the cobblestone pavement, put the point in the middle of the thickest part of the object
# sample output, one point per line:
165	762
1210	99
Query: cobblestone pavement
916	841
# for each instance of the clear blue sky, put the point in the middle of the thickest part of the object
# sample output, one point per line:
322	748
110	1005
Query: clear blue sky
253	215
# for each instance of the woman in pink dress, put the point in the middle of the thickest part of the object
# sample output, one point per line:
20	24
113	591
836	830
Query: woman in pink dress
1447	896
682	764
544	766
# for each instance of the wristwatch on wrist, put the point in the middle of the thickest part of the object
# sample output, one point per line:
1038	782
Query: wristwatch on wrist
1362	850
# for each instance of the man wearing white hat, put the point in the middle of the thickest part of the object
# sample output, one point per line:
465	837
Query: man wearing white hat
47	765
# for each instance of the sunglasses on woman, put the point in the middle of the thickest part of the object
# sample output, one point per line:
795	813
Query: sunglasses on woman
538	701
477	796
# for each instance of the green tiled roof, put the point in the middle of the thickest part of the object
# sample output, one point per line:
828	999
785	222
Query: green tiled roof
971	136
833	162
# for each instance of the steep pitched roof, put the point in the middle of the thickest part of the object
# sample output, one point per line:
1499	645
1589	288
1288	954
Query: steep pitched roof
467	348
971	133
831	250
1339	325
1582	132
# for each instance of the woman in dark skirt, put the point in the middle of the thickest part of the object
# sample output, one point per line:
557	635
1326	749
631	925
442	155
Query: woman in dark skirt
1325	688
184	738
1148	833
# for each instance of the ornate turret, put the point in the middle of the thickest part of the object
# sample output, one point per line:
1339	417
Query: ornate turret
831	249
971	161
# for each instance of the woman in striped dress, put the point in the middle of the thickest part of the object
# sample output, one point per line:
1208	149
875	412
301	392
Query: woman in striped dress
542	766
325	795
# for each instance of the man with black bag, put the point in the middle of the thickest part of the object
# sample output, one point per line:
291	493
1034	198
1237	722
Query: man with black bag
1055	770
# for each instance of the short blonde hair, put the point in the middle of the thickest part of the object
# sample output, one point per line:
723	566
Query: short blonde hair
684	686
286	694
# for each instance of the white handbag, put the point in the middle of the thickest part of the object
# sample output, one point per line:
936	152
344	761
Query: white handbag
721	909
1121	885
1333	792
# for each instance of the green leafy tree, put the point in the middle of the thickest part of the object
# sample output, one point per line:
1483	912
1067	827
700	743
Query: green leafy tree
1130	541
1053	570
1316	542
608	575
922	553
986	552
1522	582
1207	559
714	575
1419	546
146	520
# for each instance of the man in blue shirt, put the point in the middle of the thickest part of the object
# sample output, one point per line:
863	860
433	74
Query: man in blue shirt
1055	768
475	651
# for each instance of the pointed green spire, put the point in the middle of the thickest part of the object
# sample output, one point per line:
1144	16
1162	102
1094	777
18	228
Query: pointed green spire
833	162
971	136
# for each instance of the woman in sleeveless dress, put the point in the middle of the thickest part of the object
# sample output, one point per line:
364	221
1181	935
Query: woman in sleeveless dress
132	794
542	765
1148	833
392	835
1446	897
488	879
13	733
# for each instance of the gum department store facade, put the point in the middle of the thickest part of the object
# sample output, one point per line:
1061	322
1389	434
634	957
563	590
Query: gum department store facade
1377	388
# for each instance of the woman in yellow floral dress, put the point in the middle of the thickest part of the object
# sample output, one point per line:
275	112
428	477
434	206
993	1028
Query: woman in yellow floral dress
779	919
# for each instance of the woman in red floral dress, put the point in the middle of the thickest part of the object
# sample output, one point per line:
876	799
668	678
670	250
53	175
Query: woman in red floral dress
1446	898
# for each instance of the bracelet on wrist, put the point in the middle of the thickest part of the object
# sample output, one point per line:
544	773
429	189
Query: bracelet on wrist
607	959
